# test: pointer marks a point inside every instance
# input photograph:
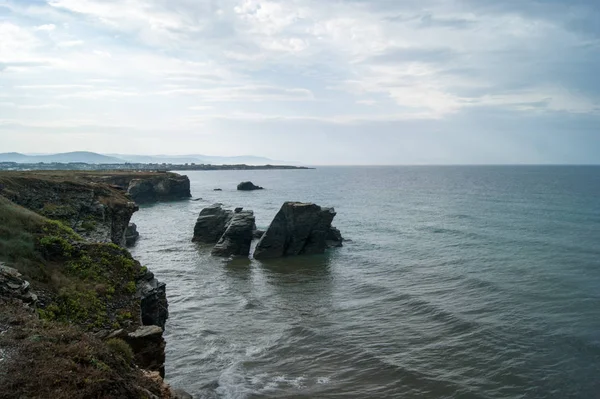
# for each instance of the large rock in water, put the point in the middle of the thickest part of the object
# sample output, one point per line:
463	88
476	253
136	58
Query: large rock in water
298	228
211	224
237	238
248	186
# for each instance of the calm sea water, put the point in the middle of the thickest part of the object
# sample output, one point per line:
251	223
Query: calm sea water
459	282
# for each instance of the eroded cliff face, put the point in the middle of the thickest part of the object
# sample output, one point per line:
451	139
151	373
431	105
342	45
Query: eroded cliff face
97	212
109	310
148	187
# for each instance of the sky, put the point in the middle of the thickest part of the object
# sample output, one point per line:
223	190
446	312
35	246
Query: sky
313	81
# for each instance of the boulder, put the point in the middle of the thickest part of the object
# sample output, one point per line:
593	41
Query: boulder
257	234
248	186
12	285
238	210
131	234
148	346
211	224
334	238
237	238
297	229
153	300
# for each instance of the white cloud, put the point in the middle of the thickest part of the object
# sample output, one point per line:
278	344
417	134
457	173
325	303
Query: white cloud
339	63
46	28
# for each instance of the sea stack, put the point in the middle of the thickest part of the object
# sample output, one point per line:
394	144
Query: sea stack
237	238
298	229
211	224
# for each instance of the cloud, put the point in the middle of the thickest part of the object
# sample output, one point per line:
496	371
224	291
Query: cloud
46	28
274	65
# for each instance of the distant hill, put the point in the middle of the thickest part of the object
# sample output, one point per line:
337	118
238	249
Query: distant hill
78	156
94	158
200	159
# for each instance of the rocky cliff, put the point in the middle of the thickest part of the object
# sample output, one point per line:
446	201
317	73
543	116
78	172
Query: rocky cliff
147	187
103	313
97	212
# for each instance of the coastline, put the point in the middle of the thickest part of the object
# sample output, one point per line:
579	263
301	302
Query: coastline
63	244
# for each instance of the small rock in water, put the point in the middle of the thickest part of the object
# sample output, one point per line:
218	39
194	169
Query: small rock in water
217	189
238	210
248	186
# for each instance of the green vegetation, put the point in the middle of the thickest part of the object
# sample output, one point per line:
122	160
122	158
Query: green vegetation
121	348
58	361
90	285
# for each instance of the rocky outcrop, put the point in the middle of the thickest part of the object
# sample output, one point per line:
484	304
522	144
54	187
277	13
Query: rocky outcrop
297	229
211	224
153	300
131	234
248	186
257	234
237	238
334	238
146	187
13	286
162	188
148	345
98	212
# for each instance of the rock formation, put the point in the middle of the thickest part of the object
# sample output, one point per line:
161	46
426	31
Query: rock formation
131	234
147	187
13	285
237	238
334	238
162	188
97	212
148	345
211	224
298	228
153	295
248	186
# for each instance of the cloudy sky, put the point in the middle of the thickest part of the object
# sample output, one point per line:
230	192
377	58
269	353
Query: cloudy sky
321	82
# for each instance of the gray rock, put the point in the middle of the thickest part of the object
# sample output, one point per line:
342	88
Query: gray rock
131	234
12	285
237	238
238	210
297	229
334	238
211	224
257	234
248	186
153	300
165	187
217	189
148	346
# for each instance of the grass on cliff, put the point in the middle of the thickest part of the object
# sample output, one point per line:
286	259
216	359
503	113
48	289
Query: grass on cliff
51	360
90	285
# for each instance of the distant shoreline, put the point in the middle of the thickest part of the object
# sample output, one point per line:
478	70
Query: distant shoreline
8	166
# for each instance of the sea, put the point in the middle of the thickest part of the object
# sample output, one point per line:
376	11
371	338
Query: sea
454	282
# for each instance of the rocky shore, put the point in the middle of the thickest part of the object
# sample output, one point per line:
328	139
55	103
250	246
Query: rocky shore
79	317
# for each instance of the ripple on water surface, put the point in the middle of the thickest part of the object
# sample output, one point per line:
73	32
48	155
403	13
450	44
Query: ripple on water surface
459	282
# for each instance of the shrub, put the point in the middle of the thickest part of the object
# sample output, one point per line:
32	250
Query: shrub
121	348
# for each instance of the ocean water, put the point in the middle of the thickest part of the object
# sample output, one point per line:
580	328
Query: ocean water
458	282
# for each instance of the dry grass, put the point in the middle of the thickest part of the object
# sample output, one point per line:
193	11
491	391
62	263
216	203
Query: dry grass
50	360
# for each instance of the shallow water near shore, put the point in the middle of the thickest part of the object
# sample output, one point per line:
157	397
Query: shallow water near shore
459	282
